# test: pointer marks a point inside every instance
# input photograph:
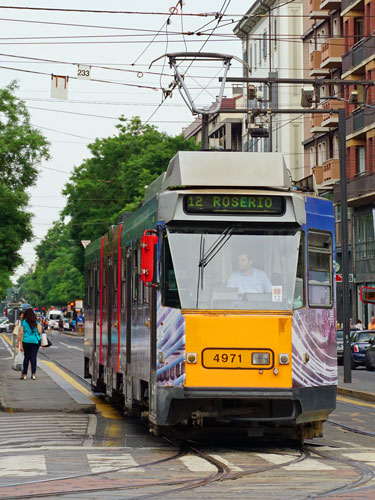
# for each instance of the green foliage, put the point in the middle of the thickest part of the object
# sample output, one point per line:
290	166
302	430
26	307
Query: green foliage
113	180
55	281
21	150
100	189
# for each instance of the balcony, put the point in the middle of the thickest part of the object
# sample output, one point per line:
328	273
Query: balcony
315	61
315	12
356	58
332	51
331	171
360	119
330	4
316	124
331	120
318	172
351	5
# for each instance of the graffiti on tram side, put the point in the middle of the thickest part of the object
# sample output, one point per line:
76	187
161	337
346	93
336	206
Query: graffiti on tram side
170	346
314	347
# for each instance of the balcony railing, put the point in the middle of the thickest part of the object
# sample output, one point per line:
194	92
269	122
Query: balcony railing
315	62
346	3
330	4
358	119
332	50
331	170
365	250
360	52
316	12
318	172
316	124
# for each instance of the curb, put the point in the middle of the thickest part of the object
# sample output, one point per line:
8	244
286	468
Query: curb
354	393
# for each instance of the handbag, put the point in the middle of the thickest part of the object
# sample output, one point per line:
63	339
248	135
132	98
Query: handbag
44	340
18	361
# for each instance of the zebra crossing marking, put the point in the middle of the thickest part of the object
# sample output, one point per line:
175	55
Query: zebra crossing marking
232	467
306	465
24	466
197	464
361	456
100	462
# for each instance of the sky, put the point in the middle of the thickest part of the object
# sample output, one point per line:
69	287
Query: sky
119	41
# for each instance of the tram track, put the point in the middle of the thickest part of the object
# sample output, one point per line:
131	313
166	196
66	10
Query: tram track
223	474
366	474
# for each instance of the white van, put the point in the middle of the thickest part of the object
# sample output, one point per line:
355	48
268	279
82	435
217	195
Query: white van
53	317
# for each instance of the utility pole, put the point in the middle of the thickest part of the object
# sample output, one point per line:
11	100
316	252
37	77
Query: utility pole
308	101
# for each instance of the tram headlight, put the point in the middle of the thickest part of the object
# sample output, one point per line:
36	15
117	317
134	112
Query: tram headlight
260	358
284	359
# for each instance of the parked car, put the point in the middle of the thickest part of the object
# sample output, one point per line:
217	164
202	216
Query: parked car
370	357
5	324
340	343
361	340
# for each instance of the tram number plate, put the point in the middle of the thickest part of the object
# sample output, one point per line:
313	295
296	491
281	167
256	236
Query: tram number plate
227	358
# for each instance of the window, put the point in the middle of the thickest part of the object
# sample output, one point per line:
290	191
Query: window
255	55
358	29
135	277
299	288
260	52
169	283
360	160
312	157
275	34
265	45
320	269
251	57
123	280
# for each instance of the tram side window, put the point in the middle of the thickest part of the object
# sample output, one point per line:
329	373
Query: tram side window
123	279
170	294
115	284
299	289
135	277
320	269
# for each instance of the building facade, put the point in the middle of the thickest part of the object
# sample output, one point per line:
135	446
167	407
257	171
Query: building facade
224	129
270	32
339	43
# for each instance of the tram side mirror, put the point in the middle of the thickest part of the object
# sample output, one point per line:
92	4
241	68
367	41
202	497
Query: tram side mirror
149	240
367	295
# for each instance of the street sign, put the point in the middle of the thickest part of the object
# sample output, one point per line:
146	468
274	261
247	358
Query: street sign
338	278
83	72
79	304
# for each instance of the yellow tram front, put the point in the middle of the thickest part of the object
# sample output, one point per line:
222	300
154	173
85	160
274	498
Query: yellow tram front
245	317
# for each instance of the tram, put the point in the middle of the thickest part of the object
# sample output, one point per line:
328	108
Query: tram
213	305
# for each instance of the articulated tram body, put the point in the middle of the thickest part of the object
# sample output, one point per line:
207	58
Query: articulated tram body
190	348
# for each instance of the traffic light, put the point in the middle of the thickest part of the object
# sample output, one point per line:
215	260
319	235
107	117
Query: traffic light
71	304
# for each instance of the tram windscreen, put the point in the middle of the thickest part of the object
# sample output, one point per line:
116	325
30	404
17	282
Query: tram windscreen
232	267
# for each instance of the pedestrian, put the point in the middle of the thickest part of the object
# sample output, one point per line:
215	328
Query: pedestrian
371	325
359	325
29	342
61	325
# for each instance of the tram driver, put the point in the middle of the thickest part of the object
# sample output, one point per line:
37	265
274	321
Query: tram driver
249	279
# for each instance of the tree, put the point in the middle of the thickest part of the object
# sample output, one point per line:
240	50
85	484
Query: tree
21	150
113	180
56	280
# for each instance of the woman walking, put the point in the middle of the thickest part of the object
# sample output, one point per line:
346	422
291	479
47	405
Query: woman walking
29	341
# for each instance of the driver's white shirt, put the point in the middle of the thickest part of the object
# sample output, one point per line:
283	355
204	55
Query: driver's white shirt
255	282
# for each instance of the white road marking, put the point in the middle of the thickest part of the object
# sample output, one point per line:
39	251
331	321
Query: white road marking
26	466
91	430
305	465
105	463
9	349
71	346
361	456
232	467
197	464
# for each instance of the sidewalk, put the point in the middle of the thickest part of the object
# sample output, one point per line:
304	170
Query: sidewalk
53	391
360	388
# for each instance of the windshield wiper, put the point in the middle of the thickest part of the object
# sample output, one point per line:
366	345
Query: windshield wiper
205	258
216	246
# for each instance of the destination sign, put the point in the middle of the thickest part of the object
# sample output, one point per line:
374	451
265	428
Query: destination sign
234	204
